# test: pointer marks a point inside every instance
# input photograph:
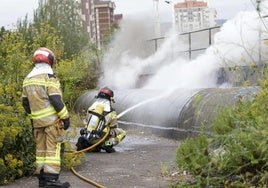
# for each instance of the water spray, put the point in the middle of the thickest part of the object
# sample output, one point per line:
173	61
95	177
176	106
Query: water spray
144	102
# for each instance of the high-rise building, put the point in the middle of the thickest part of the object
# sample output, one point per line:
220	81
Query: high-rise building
194	15
98	16
88	17
104	14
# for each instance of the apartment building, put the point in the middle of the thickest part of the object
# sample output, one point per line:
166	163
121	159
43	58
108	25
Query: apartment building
104	14
194	15
98	16
88	18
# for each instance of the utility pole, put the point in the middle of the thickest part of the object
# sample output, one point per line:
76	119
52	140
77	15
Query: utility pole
156	19
259	13
173	12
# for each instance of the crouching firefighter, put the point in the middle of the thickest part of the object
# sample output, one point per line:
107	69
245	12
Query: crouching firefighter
99	116
42	100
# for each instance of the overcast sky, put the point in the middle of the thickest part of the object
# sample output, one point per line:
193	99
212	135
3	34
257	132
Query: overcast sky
12	10
226	8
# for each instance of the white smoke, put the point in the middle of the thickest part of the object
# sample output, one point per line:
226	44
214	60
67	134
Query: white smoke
237	43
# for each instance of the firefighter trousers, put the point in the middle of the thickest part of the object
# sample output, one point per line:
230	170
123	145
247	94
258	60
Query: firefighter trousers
49	149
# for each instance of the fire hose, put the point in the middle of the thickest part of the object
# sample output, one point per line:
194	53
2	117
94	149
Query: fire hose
76	153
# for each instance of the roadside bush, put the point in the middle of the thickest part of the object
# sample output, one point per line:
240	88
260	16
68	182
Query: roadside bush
16	151
236	153
16	144
76	77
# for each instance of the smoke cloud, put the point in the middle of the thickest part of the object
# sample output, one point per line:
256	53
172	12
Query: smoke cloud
131	61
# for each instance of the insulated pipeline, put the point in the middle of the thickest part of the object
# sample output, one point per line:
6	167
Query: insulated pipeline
180	109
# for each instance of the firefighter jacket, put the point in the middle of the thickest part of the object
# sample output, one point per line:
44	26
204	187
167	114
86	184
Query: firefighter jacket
109	113
42	96
116	134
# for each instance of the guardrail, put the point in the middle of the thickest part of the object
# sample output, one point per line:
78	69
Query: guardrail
190	44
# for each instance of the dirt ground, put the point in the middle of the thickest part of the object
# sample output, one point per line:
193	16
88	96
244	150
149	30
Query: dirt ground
141	160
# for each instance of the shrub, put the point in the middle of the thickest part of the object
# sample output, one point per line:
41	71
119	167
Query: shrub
236	153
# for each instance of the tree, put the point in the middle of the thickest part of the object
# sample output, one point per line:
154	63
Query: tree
64	16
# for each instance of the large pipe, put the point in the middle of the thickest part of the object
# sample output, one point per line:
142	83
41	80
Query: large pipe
180	109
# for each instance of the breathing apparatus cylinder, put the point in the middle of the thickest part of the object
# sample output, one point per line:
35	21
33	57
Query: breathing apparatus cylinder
94	121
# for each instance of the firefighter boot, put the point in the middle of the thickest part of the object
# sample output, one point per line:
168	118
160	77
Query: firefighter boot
52	180
42	181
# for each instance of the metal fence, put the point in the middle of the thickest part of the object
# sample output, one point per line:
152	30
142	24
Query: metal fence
197	41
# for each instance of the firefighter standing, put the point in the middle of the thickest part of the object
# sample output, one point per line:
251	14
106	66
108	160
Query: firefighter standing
103	106
42	100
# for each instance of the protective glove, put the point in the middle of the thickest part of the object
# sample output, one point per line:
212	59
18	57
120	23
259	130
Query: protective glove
83	131
66	123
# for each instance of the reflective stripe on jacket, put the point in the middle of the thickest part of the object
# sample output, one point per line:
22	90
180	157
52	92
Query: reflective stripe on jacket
38	89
